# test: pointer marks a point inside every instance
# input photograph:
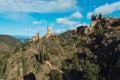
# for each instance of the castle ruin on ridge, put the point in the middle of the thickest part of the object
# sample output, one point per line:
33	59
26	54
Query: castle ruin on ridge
49	32
98	23
36	38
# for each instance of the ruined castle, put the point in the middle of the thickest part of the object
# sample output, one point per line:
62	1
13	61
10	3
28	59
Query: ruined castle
98	23
36	38
49	32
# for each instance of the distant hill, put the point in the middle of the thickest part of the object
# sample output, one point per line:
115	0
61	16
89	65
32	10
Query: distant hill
9	40
22	38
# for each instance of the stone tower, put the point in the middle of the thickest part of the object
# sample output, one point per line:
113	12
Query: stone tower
49	32
38	36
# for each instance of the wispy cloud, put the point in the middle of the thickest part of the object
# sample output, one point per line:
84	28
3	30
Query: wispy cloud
105	9
38	22
71	21
65	21
42	6
59	31
43	28
89	14
17	17
30	30
76	15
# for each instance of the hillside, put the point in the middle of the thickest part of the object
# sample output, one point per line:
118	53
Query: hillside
68	56
9	40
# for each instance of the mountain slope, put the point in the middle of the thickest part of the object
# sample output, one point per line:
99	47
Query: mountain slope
9	43
9	40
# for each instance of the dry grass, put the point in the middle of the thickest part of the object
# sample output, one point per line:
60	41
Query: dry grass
117	28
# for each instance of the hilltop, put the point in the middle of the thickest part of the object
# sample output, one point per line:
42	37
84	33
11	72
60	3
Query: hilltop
87	53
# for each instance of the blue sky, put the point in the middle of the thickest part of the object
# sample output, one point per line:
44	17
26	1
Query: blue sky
26	17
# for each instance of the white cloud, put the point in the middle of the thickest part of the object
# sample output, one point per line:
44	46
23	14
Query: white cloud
59	31
76	15
89	14
72	24
42	6
38	22
30	30
106	9
65	21
42	28
71	21
83	24
17	17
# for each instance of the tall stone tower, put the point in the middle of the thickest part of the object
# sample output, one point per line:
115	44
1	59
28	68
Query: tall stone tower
38	36
49	32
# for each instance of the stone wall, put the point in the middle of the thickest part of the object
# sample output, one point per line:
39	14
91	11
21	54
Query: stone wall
35	38
98	23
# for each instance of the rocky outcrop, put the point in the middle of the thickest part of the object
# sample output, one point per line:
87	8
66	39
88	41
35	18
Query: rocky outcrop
49	32
82	30
113	21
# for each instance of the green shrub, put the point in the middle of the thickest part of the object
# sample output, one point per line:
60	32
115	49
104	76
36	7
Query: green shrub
91	71
3	69
18	72
41	53
56	75
24	65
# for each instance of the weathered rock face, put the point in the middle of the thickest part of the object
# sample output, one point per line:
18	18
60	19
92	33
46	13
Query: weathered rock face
49	33
82	30
113	21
